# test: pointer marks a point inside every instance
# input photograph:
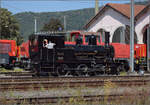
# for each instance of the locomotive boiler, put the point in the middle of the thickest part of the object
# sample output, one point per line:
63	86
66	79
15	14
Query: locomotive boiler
50	55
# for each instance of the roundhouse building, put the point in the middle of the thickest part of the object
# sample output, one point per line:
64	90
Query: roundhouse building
115	18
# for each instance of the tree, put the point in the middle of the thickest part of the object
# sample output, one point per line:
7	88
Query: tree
53	25
9	27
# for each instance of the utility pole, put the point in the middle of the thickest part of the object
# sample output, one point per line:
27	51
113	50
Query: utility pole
35	26
148	46
0	21
64	23
96	6
132	36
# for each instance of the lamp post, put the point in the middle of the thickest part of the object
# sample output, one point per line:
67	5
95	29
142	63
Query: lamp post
148	47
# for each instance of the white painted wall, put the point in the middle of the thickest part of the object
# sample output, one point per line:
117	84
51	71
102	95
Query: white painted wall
110	20
140	24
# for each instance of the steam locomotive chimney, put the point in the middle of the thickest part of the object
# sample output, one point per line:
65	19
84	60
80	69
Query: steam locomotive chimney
107	35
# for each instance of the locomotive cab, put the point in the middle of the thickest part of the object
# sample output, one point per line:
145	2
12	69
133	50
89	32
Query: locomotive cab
43	48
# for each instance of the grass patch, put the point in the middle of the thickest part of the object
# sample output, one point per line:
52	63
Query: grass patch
18	70
14	70
123	73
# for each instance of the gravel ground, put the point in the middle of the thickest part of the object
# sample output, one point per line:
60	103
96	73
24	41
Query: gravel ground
70	92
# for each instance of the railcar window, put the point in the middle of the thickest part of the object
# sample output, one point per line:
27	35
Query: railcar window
67	37
5	47
86	39
98	38
73	38
103	38
81	37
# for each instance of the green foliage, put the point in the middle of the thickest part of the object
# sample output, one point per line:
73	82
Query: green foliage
53	25
9	26
20	39
75	20
15	70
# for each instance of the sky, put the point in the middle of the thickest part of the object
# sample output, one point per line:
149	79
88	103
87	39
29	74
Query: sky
17	6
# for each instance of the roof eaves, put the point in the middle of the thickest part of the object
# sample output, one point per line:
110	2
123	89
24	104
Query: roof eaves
94	17
119	12
144	10
99	13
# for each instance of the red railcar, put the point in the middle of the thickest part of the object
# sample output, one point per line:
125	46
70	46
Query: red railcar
122	51
8	53
140	51
12	55
24	50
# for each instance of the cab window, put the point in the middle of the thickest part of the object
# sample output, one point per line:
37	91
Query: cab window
74	37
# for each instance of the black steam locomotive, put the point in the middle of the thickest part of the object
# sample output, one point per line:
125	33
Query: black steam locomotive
50	55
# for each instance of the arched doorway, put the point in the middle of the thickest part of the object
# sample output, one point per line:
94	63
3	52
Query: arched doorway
145	31
146	40
118	36
122	35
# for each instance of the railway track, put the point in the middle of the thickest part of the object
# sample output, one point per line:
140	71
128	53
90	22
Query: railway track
63	79
71	99
46	83
27	73
70	83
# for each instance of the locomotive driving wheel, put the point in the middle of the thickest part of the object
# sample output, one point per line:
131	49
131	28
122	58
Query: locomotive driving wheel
99	69
82	70
62	70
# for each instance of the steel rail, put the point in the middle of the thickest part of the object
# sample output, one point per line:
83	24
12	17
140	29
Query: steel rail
21	79
66	99
55	84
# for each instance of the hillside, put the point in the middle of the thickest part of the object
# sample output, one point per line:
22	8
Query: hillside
74	19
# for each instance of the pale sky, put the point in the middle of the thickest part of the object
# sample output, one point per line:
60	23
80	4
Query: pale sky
16	6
